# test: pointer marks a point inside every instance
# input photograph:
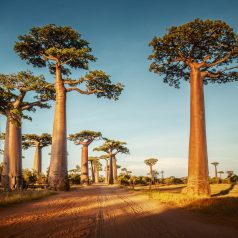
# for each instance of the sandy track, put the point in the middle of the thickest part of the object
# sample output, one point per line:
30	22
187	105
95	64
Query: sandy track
106	212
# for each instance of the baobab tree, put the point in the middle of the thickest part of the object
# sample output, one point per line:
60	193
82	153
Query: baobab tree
151	162
84	138
215	165
220	172
39	142
106	158
19	86
62	48
198	52
91	160
112	148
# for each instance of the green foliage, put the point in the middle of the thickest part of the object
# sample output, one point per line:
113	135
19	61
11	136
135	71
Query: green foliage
74	175
53	44
17	86
173	180
151	161
124	180
113	147
142	180
29	176
211	43
29	140
85	136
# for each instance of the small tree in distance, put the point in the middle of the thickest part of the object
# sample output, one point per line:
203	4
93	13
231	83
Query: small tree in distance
151	162
84	138
200	52
39	142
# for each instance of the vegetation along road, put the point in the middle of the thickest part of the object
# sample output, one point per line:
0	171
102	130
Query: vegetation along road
107	211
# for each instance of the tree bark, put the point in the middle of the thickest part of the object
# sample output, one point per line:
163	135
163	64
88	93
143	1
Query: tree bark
111	170
106	172
58	175
92	172
15	155
38	159
114	161
5	172
96	174
215	171
84	165
151	176
198	183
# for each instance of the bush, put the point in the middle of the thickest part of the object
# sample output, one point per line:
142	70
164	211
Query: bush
74	178
124	180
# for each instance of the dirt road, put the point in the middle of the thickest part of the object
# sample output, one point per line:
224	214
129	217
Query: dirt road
106	212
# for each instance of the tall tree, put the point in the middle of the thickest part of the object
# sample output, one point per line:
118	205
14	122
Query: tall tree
17	87
106	158
61	48
220	172
215	165
39	142
84	138
151	162
112	148
198	52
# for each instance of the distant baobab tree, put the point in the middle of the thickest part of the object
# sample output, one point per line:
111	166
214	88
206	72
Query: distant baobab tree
106	158
220	172
215	165
61	48
91	160
39	142
84	138
151	162
198	52
112	148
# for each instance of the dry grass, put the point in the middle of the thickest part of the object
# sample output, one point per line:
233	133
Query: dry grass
13	197
226	204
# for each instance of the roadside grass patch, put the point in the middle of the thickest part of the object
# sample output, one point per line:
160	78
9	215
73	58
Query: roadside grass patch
214	205
13	197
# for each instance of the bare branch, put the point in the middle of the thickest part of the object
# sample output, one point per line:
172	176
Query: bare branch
81	91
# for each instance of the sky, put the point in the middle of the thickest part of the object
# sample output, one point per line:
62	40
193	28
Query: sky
152	117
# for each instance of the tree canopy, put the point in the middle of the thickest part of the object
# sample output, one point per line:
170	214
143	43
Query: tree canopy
62	47
113	147
151	161
212	45
85	136
15	88
31	140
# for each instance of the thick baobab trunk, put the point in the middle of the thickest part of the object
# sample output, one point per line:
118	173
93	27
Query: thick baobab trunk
84	165
114	161
96	173
38	159
5	172
15	155
198	183
110	170
58	175
106	172
151	175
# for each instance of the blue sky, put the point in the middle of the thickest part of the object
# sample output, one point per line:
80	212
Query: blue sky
150	116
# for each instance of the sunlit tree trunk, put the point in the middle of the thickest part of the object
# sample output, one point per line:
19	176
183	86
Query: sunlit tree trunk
111	170
38	159
106	172
58	175
84	165
96	172
114	161
15	155
198	183
92	172
5	172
